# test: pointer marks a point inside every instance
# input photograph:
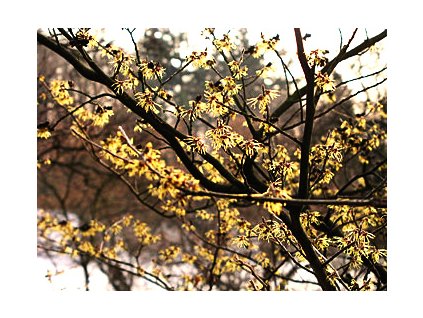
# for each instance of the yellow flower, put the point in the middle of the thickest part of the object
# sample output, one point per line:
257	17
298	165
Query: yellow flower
151	69
376	253
197	108
263	100
327	176
143	233
169	254
238	71
188	258
263	46
146	101
109	51
215	103
140	126
361	123
43	96
310	217
241	241
324	82
87	247
200	60
251	147
59	90
207	32
230	86
85	38
263	232
317	57
121	62
115	228
224	44
262	259
266	127
102	115
119	86
223	136
196	144
275	191
92	228
188	227
43	133
204	215
127	219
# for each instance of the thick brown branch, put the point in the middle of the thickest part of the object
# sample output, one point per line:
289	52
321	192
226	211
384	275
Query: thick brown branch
303	190
310	109
168	132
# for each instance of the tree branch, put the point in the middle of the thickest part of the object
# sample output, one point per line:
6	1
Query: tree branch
310	109
294	98
167	131
377	203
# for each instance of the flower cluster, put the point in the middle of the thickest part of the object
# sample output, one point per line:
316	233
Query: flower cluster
317	58
223	137
357	244
324	82
121	61
146	101
269	230
149	165
200	59
275	191
263	46
236	69
93	237
224	44
43	133
356	137
229	216
230	87
281	165
251	147
325	159
143	233
309	218
147	162
117	151
172	181
102	115
99	117
197	107
217	103
242	241
263	100
84	38
60	92
169	254
196	144
151	69
43	162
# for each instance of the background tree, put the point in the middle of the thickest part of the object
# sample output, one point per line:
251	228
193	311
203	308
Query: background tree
209	173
